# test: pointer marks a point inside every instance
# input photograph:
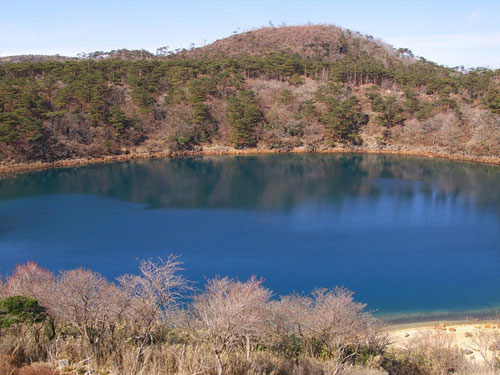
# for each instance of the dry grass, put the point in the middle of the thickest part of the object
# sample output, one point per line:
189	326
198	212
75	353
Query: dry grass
135	327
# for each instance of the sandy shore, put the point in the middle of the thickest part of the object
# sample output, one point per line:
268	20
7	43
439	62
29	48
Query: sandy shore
7	168
470	336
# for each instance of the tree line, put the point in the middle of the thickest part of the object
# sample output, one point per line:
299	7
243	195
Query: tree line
111	104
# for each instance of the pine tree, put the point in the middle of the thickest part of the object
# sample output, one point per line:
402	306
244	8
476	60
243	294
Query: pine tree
243	115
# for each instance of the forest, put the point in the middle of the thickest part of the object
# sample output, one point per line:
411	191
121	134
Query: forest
323	87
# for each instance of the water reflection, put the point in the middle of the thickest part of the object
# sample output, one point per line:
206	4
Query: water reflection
267	181
406	234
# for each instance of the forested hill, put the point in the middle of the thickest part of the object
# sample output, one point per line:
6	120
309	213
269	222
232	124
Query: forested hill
319	43
291	88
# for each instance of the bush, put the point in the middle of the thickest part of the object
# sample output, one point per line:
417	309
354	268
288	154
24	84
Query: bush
20	309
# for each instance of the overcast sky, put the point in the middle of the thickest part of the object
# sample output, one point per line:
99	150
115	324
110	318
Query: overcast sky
451	33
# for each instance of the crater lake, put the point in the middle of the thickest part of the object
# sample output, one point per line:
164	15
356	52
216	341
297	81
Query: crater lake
410	236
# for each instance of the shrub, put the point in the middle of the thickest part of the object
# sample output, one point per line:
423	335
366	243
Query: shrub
20	309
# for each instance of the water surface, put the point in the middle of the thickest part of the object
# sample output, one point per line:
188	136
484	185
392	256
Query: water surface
408	235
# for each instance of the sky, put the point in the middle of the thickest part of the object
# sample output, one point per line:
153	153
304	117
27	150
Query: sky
452	33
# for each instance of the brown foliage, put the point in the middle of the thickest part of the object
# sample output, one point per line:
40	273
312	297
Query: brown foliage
325	42
30	280
138	326
435	354
230	313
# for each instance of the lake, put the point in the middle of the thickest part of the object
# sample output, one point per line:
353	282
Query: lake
408	235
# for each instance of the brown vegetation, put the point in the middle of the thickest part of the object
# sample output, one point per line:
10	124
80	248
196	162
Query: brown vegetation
316	42
302	89
145	324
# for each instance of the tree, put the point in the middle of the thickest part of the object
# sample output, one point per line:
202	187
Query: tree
20	309
492	101
405	52
117	118
308	110
243	115
230	313
93	306
343	119
157	289
25	318
337	326
200	119
392	113
30	280
151	297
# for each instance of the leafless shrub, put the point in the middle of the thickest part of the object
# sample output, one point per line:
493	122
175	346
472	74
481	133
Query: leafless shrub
138	326
29	280
486	342
329	324
436	353
288	314
340	324
151	296
485	131
88	302
229	313
155	292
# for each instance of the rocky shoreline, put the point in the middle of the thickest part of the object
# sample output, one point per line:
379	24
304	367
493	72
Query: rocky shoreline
15	167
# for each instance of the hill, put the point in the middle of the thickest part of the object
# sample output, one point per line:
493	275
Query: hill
34	58
300	88
315	42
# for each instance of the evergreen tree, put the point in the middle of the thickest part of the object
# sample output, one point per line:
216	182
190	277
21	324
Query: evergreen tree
343	119
243	115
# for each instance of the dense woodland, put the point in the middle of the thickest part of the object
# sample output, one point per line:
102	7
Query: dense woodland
157	322
306	87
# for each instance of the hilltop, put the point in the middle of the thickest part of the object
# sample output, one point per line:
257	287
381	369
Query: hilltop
315	42
297	88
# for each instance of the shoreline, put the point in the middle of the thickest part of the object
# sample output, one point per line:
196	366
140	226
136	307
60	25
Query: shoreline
396	322
11	168
433	324
433	321
425	318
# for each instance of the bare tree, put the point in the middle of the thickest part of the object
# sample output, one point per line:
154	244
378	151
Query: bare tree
30	280
158	288
230	313
339	323
151	296
91	304
140	325
288	315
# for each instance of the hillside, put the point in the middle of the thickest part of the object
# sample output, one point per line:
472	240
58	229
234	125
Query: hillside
316	42
302	88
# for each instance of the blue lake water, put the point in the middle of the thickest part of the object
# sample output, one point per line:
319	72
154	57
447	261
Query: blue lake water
408	235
